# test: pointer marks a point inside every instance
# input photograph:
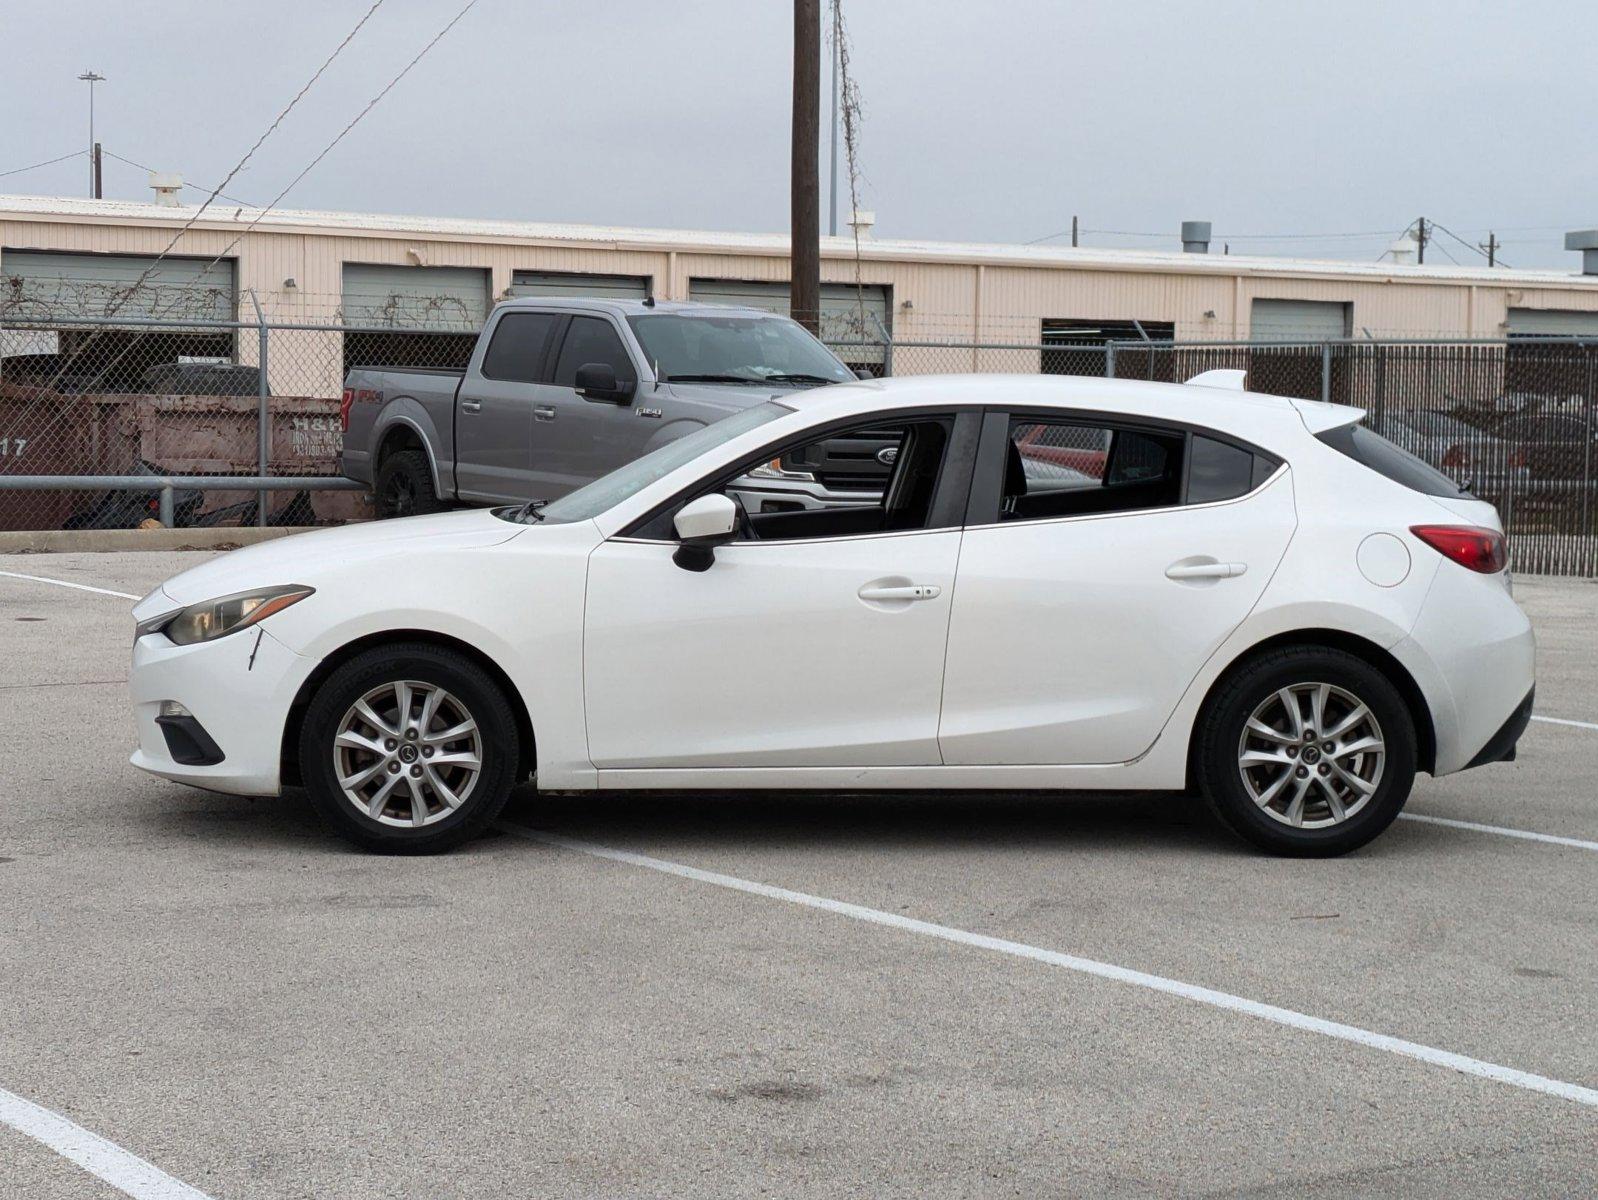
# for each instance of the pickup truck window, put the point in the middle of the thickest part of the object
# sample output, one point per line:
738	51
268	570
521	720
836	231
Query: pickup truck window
517	350
610	490
591	340
736	349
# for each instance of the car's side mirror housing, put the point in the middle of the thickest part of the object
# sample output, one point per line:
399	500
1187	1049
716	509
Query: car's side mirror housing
598	382
701	526
863	373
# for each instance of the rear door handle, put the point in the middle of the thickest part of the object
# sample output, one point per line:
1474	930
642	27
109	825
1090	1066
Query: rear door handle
544	412
909	591
471	406
1214	570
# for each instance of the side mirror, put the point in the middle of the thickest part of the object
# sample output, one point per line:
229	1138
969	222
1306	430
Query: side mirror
701	526
597	381
863	373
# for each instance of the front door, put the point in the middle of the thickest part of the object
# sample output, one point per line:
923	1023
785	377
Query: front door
577	439
1088	602
816	640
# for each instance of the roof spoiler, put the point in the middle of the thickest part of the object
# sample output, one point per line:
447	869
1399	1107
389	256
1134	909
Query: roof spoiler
1231	380
1319	416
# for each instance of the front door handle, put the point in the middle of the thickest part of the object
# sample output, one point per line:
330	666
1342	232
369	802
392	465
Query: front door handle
544	412
908	591
1205	570
471	406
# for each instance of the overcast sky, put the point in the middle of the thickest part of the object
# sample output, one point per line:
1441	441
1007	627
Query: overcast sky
983	121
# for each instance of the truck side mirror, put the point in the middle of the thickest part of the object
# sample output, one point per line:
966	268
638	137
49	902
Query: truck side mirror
597	381
701	526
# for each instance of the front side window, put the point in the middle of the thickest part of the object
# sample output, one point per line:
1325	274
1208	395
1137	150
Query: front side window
592	340
736	348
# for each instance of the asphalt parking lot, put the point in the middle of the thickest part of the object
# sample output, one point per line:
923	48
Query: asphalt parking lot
759	1000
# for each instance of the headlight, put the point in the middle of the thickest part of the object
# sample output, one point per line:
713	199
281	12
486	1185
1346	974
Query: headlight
212	619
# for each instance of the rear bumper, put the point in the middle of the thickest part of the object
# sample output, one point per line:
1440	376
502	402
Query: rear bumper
1501	746
356	465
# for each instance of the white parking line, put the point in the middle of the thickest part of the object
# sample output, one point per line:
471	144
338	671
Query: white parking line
82	587
1502	831
126	1172
1566	721
1087	966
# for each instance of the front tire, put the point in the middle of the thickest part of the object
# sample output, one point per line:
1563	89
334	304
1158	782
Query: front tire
409	749
1306	751
403	486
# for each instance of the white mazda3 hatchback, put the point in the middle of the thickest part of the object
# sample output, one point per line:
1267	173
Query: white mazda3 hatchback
1065	584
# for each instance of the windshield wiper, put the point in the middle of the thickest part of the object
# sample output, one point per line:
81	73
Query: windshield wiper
713	379
800	377
530	510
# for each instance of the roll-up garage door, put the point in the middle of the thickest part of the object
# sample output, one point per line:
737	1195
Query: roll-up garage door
37	284
579	283
1552	322
841	303
441	298
1299	320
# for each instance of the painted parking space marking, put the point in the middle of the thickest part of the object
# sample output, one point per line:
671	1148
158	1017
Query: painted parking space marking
81	587
1503	831
1431	1055
1565	721
120	1168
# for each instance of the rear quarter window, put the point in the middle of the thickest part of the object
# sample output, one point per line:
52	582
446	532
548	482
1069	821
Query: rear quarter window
1370	449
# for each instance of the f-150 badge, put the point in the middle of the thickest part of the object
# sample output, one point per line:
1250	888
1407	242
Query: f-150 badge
650	412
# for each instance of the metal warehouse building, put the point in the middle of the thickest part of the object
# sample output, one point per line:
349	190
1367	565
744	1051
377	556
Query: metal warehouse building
424	283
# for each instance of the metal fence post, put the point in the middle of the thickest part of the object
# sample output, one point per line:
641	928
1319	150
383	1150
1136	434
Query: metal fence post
167	515
263	421
1326	372
1109	360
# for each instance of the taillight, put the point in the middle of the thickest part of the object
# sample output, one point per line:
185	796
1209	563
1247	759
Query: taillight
344	409
1470	546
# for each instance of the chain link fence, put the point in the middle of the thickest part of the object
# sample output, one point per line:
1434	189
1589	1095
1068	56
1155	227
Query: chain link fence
161	399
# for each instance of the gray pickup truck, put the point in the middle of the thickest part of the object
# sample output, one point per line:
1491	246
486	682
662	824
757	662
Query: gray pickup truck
562	391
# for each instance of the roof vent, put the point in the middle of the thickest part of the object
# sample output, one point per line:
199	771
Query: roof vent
862	221
1405	250
167	185
1585	240
1195	237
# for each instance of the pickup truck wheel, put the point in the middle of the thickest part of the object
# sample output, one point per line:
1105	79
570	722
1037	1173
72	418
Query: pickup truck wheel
404	486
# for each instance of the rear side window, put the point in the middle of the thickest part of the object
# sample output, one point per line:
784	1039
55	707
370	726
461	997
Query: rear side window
1218	471
591	340
1371	449
517	350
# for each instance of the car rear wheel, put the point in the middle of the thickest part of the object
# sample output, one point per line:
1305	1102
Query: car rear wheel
409	749
404	486
1306	751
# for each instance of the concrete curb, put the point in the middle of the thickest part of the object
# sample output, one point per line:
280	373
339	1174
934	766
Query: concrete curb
97	541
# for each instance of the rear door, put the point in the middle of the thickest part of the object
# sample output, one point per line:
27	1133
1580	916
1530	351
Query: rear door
494	411
1103	563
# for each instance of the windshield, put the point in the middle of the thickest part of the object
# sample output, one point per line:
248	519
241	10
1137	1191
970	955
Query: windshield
610	490
736	348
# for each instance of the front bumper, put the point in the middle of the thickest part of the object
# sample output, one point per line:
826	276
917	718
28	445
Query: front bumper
239	689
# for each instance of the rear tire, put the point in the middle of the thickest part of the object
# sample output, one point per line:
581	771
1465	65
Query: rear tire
1319	784
409	749
403	486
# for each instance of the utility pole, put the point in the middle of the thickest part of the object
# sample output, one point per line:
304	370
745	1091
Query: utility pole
1492	248
832	182
1420	252
98	172
804	248
1073	233
91	78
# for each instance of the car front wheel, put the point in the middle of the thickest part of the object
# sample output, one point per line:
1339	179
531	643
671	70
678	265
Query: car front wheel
409	749
1306	751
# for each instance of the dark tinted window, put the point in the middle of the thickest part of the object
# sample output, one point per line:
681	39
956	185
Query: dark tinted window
1060	469
517	350
1218	471
1371	449
591	340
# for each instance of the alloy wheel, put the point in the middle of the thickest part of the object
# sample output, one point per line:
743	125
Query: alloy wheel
408	754
1311	755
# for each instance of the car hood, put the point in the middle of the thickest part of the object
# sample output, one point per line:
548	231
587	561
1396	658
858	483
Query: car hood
728	398
302	557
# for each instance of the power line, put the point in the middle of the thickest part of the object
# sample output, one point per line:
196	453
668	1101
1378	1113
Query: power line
370	104
198	186
1464	243
49	163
